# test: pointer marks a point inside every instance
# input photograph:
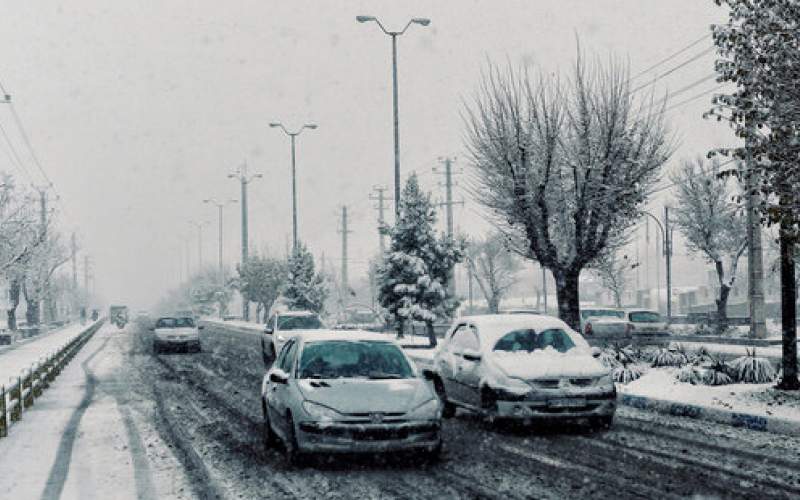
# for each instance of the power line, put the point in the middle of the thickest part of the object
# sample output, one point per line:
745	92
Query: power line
676	68
669	58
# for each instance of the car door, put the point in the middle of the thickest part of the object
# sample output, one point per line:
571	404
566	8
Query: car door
277	394
468	371
447	362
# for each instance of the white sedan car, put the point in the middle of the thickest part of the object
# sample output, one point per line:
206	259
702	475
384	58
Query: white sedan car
522	367
170	332
348	391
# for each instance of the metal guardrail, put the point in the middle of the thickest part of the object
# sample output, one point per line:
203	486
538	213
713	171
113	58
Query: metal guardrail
30	383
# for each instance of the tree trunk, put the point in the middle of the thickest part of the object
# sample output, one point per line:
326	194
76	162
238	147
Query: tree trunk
431	333
494	304
13	295
722	308
568	297
401	324
32	313
617	299
788	310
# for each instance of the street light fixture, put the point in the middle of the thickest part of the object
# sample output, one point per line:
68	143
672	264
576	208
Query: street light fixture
422	21
292	135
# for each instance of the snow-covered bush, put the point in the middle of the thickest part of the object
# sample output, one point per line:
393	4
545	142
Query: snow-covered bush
627	372
750	369
691	374
718	374
701	356
674	355
617	355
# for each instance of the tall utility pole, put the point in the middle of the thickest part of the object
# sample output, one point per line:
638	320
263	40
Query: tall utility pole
86	264
448	204
544	286
74	246
43	228
220	206
344	232
244	180
199	226
292	136
395	118
381	199
755	261
668	254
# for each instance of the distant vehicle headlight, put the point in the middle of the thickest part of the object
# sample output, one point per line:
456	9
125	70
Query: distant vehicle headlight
429	410
320	412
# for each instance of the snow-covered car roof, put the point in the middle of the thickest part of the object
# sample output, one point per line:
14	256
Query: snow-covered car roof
296	313
492	327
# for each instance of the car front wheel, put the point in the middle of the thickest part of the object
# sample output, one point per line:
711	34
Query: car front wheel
291	450
448	408
603	422
269	436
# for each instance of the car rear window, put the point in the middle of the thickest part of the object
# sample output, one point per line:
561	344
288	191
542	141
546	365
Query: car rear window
645	317
353	359
528	340
309	322
175	323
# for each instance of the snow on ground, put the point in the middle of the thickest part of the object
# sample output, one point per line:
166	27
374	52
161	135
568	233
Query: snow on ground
13	361
756	399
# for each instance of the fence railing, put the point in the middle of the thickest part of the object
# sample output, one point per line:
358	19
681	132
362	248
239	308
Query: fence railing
28	385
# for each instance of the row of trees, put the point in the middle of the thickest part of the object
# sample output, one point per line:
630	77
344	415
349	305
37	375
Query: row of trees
31	252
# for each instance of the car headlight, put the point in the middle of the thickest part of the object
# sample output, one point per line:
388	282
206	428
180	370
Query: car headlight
429	410
281	338
320	412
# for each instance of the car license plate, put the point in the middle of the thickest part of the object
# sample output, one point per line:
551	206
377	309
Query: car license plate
567	403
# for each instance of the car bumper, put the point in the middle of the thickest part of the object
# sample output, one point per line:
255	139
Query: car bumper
368	438
178	340
559	406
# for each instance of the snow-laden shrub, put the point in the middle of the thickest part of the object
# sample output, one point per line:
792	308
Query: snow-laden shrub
674	355
719	373
701	356
750	369
617	355
627	372
608	358
691	374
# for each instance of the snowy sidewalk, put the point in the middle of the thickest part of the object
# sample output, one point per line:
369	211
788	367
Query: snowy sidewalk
13	361
84	439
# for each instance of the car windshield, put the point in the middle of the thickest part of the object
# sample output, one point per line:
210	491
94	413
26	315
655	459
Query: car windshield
602	312
528	340
353	359
306	322
175	323
645	317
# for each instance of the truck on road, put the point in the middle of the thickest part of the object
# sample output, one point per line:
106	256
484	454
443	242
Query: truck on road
118	315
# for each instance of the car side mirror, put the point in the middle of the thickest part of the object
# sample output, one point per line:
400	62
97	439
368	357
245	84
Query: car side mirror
596	352
428	374
279	376
201	327
152	328
471	356
268	330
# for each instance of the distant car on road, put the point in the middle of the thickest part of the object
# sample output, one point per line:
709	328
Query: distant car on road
282	326
605	323
334	391
522	367
520	311
170	332
646	321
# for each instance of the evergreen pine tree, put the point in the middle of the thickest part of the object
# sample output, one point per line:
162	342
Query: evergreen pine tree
305	288
414	275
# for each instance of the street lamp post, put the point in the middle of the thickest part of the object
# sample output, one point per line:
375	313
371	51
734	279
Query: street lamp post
666	240
244	179
220	206
199	226
292	135
394	34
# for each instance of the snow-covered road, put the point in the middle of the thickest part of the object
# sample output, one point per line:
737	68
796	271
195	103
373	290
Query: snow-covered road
189	424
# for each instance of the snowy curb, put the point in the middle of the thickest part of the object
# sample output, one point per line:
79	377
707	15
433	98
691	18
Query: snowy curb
775	425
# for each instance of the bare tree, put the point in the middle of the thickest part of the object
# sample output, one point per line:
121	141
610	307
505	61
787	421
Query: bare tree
613	272
712	223
563	165
494	268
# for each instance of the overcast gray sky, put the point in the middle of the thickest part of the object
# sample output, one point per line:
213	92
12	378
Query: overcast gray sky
138	110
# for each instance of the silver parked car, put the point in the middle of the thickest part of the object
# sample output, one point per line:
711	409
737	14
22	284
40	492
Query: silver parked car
646	321
605	323
348	391
522	367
